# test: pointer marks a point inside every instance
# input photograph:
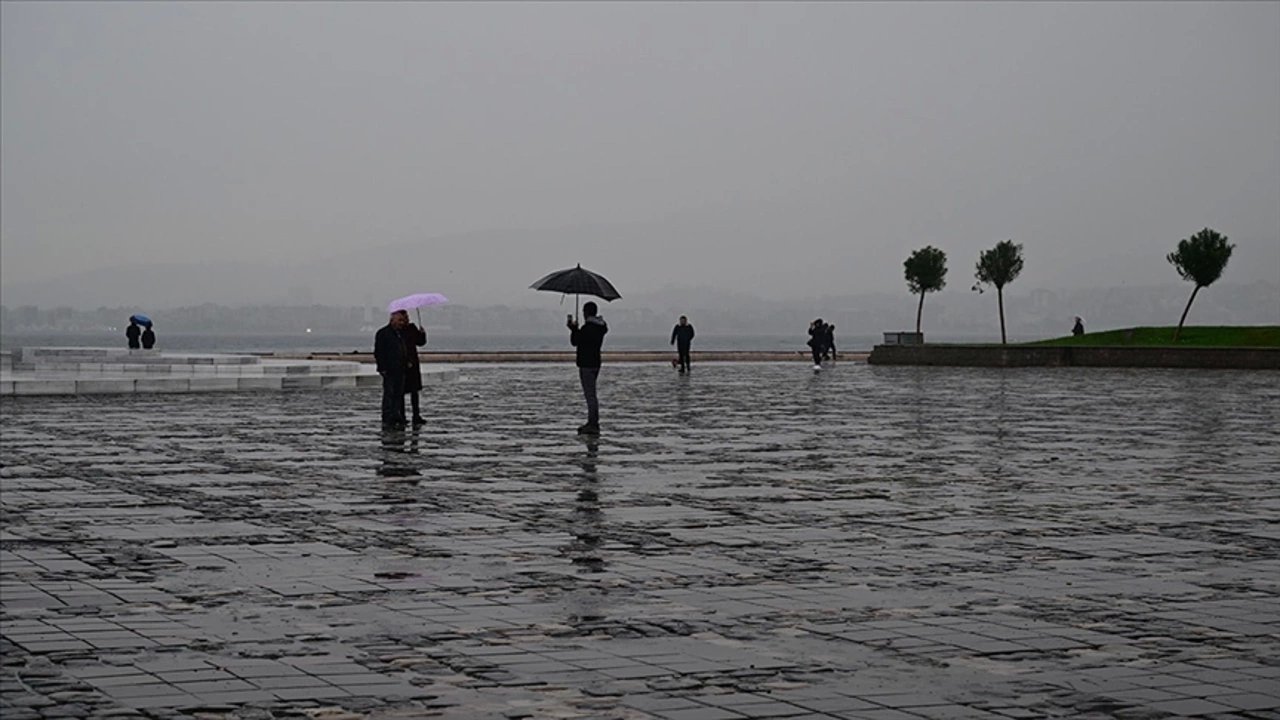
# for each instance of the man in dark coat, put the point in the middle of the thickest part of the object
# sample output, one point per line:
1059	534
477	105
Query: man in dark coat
829	341
817	341
415	337
133	332
148	338
389	352
681	337
588	339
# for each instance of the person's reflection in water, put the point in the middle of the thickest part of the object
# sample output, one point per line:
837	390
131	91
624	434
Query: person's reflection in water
399	451
585	599
586	522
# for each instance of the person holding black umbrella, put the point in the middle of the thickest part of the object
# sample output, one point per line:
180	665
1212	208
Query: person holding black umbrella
588	339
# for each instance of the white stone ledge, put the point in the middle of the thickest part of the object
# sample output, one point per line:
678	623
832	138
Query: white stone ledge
214	384
108	386
162	385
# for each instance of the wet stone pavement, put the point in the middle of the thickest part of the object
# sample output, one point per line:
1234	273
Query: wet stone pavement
753	541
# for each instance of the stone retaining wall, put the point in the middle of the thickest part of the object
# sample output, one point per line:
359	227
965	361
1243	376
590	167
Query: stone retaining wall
1039	356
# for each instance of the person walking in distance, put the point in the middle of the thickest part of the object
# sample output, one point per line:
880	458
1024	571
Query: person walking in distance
829	341
1078	329
389	353
588	339
148	338
414	337
682	337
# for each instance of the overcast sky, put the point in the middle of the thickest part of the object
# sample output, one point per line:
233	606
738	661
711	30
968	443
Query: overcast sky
845	135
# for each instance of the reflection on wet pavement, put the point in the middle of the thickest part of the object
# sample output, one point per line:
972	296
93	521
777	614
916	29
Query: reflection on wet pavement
747	541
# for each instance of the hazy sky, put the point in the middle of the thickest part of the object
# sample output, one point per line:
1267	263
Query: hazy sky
813	144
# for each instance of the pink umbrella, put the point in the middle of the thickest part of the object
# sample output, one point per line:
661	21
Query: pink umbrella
413	302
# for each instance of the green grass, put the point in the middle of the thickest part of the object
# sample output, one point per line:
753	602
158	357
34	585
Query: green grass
1192	336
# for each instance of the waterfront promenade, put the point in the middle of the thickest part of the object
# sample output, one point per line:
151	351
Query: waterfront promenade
753	541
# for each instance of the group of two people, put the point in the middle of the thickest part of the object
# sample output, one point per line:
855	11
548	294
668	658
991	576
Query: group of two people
140	339
822	341
395	350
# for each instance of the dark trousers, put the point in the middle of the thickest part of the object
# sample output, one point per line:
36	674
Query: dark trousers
413	402
817	355
683	352
392	398
589	377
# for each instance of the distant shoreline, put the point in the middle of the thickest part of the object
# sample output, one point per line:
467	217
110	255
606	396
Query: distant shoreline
561	356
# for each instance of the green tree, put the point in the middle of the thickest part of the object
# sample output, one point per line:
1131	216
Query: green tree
1201	259
999	266
926	272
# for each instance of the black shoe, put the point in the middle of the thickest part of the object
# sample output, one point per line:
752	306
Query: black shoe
589	429
419	420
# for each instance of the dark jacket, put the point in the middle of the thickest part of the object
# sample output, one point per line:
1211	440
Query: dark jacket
817	337
682	335
389	351
133	332
413	336
148	339
829	338
1078	329
588	338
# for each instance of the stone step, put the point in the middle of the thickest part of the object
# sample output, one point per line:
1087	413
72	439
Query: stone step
74	371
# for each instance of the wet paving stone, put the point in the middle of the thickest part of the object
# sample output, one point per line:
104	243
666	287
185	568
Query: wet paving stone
746	542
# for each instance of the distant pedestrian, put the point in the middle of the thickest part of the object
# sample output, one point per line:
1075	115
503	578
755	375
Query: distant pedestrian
414	337
817	341
588	339
829	341
1078	330
133	332
389	353
148	338
682	337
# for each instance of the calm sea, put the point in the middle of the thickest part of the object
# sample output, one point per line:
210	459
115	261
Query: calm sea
439	340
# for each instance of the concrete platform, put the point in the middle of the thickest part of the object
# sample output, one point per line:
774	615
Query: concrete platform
113	371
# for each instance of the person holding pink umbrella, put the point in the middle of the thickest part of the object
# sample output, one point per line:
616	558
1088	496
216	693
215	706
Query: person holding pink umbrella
413	336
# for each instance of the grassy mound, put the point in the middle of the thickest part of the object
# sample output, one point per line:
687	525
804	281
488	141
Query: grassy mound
1222	336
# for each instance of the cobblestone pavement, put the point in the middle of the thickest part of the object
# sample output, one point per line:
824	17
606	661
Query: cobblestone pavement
753	541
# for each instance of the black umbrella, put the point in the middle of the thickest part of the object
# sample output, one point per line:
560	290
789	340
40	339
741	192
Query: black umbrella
579	282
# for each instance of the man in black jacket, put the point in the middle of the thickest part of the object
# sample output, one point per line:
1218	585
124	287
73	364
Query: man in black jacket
132	333
681	337
389	352
588	340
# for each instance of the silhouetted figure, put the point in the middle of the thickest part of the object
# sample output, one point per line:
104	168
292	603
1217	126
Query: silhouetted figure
682	338
588	339
1078	330
817	341
389	352
829	341
133	332
414	337
148	338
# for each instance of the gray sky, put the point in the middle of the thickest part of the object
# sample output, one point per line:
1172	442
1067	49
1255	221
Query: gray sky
797	146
